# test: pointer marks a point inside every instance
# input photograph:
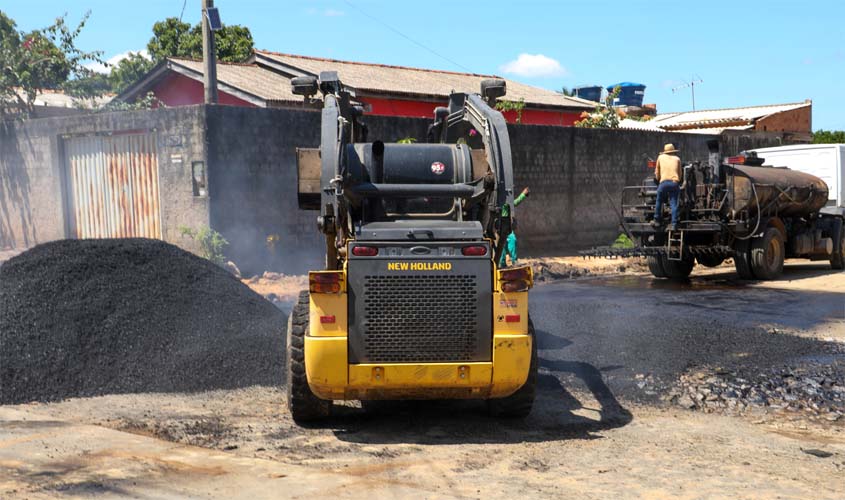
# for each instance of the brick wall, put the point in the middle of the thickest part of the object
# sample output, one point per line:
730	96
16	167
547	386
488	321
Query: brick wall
795	120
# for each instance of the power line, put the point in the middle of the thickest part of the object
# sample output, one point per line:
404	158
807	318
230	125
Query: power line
406	37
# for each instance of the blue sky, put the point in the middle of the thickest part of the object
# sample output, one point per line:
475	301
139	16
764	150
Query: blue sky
746	52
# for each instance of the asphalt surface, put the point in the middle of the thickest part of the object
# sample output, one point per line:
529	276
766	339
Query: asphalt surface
642	333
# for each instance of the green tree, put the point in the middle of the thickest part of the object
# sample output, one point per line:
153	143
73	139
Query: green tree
604	116
829	137
128	70
38	60
174	38
87	85
566	91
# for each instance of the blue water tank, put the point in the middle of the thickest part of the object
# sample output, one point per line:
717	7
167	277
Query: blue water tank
631	94
589	92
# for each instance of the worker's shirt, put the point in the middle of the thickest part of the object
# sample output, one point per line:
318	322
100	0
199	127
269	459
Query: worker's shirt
519	199
668	168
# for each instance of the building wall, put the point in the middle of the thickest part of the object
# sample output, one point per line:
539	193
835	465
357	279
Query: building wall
425	109
252	187
179	90
575	176
32	171
795	120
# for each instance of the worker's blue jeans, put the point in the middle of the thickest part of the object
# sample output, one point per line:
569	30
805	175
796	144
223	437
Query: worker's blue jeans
672	190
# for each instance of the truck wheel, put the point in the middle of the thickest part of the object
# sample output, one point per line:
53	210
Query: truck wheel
518	404
767	253
655	265
678	270
710	260
742	260
304	406
837	260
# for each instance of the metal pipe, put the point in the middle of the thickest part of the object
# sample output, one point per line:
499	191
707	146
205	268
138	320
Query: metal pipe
413	190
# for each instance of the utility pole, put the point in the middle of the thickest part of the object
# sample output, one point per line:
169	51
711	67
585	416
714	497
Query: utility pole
209	56
691	85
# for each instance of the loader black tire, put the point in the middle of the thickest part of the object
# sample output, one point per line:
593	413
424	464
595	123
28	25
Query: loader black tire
303	404
518	404
678	270
655	265
710	260
767	254
837	260
742	260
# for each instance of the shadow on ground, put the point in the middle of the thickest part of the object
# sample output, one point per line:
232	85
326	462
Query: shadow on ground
458	422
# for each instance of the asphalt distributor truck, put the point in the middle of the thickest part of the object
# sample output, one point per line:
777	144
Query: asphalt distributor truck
411	304
734	207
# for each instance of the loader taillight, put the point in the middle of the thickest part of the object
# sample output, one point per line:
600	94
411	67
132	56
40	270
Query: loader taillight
474	250
325	281
518	279
652	164
360	251
516	286
512	318
736	160
518	273
328	319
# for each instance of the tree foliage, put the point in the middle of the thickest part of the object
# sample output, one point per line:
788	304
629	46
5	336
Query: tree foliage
829	137
128	70
38	60
174	38
516	106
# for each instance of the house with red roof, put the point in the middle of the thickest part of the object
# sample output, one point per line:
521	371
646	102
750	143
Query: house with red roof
264	81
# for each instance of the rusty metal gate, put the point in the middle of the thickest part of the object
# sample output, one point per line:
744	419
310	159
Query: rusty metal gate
113	186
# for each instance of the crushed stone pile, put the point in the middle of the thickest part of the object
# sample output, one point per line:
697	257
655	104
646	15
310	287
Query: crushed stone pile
814	390
92	317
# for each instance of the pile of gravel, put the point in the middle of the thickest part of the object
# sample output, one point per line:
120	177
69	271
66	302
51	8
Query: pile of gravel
91	317
813	390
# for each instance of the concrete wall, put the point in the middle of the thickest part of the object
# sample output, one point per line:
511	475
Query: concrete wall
575	176
32	170
252	186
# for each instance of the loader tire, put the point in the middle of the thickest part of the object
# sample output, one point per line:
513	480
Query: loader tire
710	260
678	270
303	404
837	260
518	404
655	265
767	254
742	260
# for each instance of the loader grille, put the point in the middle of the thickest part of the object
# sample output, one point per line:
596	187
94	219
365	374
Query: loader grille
420	318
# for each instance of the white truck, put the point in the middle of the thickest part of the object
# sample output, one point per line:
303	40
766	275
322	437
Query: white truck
826	161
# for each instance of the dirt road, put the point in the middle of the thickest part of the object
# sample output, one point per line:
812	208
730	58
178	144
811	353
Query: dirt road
611	349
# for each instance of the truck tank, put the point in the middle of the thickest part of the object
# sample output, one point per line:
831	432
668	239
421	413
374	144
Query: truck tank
778	191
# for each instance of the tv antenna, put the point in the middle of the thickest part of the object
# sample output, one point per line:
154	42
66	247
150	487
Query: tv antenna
690	85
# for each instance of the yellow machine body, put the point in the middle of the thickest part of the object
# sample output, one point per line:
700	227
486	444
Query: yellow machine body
331	376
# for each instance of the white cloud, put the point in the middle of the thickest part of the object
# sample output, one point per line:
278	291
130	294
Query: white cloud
533	65
313	11
102	68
